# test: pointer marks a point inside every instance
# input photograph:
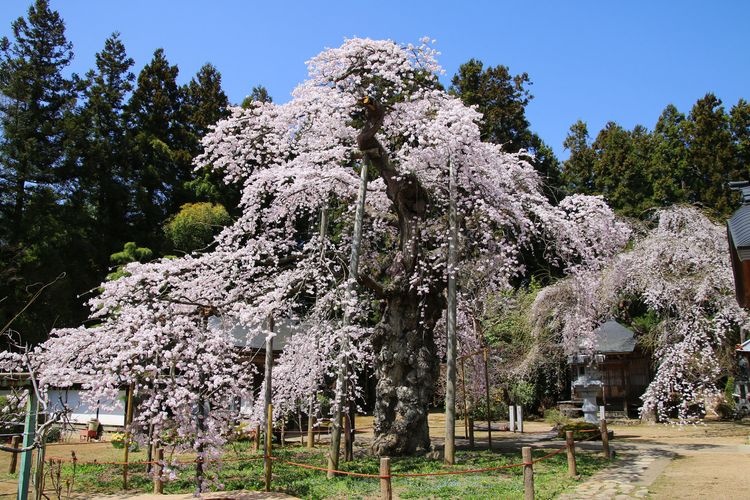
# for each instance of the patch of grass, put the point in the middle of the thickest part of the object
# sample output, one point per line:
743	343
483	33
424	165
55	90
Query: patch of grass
243	469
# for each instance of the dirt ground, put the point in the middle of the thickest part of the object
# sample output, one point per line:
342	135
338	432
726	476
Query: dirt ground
708	461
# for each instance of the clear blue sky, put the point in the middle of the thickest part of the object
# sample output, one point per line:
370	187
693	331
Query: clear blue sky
596	61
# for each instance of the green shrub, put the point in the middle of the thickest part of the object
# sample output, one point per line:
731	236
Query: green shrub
581	430
555	417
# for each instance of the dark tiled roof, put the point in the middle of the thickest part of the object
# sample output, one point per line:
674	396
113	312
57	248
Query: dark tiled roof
613	337
739	229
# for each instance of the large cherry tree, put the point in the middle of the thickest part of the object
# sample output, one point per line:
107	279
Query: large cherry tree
378	105
373	105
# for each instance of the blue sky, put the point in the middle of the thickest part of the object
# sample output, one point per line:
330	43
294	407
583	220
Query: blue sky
596	61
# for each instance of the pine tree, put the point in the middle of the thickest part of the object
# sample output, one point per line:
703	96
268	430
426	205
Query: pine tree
103	150
739	123
36	98
668	171
161	158
711	156
206	103
36	237
502	99
578	169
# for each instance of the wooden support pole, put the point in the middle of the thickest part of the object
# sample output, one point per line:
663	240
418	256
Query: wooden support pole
528	473
256	444
605	438
386	489
310	426
463	391
450	361
570	447
128	421
487	393
14	442
341	395
267	454
157	469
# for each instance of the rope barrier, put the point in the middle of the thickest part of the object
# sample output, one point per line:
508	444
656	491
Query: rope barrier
325	469
339	472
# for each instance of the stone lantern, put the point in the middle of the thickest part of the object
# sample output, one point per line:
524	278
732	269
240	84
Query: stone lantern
588	384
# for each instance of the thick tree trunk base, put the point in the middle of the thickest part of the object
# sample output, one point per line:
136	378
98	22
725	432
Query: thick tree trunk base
406	369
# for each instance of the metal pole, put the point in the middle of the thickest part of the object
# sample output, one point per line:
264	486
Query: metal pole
450	382
29	433
343	375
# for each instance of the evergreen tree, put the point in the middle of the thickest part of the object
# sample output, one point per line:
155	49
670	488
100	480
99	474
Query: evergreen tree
103	150
36	237
502	99
161	145
259	94
621	161
668	170
206	103
739	123
578	169
36	98
711	156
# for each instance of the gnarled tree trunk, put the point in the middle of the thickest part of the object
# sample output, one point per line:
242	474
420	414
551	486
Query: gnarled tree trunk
406	363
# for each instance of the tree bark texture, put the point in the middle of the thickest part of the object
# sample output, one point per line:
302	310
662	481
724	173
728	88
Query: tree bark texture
406	365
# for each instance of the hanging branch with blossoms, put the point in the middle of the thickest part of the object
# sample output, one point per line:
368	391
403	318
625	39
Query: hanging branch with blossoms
680	273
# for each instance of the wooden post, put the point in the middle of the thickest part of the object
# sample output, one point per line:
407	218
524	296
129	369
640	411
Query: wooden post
463	391
528	473
386	489
487	393
469	411
157	468
267	455
128	421
282	441
519	418
512	418
256	444
14	442
310	426
450	362
343	368
570	446
605	438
